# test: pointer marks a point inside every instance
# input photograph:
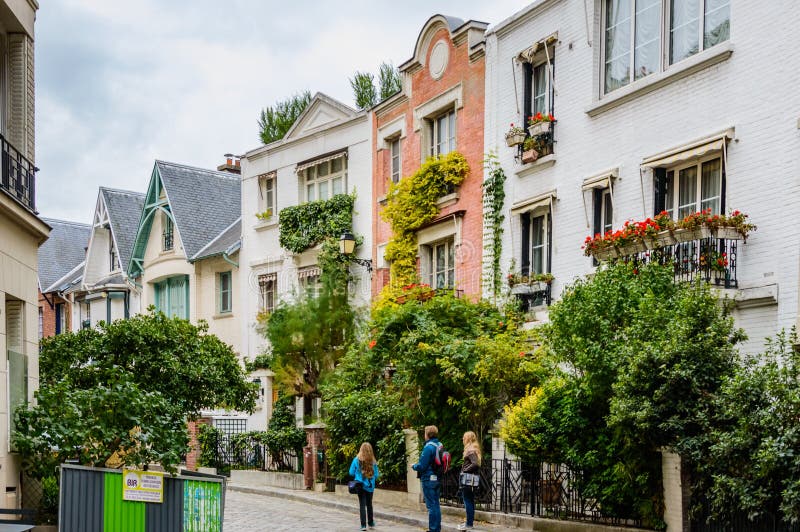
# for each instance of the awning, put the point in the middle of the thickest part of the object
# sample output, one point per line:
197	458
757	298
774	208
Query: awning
601	180
528	54
309	271
690	151
321	159
543	200
265	278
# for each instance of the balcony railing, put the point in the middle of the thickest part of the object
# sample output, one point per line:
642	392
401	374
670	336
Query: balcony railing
18	175
710	259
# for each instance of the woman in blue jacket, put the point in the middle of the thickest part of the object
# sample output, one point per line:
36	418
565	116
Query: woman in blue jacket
364	469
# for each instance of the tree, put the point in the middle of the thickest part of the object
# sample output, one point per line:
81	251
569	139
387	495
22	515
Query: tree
121	393
389	80
363	84
275	121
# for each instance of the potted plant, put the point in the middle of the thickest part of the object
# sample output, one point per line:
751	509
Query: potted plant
530	150
732	227
539	124
263	216
515	136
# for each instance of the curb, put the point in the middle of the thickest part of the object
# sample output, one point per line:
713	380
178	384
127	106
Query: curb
317	501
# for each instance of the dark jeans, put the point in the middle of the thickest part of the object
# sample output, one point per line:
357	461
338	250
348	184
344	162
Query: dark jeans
431	489
469	503
365	506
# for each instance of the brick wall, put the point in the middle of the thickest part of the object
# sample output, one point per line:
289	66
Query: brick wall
49	313
193	456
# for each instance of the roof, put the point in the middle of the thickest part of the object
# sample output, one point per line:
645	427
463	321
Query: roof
70	282
63	251
226	242
124	210
203	202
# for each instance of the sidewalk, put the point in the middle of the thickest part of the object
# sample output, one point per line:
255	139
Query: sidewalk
451	517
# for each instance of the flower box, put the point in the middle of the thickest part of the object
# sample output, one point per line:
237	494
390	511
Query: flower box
529	156
514	139
529	288
632	248
665	238
606	254
728	233
539	128
688	235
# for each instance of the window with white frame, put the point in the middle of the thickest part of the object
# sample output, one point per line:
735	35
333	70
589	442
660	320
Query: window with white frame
224	292
539	84
266	291
309	278
690	187
394	150
603	211
266	194
442	132
535	253
637	34
326	179
441	259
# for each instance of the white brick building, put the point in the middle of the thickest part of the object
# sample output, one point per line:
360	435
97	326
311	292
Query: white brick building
326	152
734	105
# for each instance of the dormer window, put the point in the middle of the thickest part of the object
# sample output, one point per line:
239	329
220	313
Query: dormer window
112	254
168	233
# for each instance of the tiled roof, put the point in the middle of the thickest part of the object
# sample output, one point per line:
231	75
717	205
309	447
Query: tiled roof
204	202
63	251
124	211
229	239
70	282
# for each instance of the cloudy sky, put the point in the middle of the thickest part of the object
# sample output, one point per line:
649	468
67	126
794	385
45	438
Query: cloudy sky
119	84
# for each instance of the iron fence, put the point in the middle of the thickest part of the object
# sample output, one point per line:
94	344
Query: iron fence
542	490
251	454
18	175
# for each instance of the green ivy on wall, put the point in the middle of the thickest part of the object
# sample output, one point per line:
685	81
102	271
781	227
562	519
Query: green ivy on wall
412	203
306	225
494	196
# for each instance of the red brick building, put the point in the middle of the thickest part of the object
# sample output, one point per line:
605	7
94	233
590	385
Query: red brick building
439	109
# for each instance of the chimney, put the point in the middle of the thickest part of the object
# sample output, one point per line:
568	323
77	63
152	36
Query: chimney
232	164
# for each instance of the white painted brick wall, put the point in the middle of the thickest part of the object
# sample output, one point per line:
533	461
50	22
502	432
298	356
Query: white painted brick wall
755	90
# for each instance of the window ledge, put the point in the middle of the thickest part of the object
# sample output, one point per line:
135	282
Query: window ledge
529	168
446	201
382	199
223	315
266	224
680	70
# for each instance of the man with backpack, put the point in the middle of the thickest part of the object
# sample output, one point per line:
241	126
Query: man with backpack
430	468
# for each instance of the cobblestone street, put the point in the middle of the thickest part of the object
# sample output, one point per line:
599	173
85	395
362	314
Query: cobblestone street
250	512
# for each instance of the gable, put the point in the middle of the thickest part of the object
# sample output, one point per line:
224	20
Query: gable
323	111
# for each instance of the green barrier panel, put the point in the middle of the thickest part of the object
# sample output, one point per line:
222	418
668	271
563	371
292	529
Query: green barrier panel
201	506
119	515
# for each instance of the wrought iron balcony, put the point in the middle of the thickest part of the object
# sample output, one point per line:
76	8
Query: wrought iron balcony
18	176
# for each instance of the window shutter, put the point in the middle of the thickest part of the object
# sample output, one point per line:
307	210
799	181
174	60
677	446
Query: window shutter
660	188
525	256
527	93
549	266
598	210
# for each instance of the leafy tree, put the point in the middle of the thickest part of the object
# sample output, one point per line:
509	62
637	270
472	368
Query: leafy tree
282	435
121	393
389	80
275	121
363	84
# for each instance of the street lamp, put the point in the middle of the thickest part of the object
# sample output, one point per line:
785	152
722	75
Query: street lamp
347	244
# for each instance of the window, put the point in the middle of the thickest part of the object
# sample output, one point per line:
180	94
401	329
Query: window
168	235
87	312
535	243
442	131
690	188
395	160
112	253
542	95
172	296
225	291
634	39
441	260
41	323
61	318
266	292
266	194
603	211
309	278
326	179
230	426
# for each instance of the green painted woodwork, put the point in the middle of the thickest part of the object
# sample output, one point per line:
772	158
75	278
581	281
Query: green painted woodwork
153	203
120	515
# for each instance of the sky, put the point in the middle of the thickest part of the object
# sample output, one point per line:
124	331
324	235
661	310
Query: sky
120	84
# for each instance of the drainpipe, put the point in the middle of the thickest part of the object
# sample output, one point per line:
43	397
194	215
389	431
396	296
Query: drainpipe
229	260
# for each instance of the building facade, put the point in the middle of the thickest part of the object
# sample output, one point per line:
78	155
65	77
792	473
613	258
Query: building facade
61	261
21	233
659	105
326	153
105	292
440	109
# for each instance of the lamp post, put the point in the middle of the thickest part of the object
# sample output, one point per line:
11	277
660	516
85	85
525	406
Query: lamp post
347	244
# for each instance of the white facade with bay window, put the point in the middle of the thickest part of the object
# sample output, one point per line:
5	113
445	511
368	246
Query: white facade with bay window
676	105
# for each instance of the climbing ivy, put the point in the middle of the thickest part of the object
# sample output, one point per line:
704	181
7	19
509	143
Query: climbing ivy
412	203
306	225
494	196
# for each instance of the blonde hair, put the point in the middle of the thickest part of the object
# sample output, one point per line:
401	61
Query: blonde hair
471	445
366	459
431	431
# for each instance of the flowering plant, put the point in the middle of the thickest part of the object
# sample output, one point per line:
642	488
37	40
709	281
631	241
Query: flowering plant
539	117
515	130
714	260
697	220
517	278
